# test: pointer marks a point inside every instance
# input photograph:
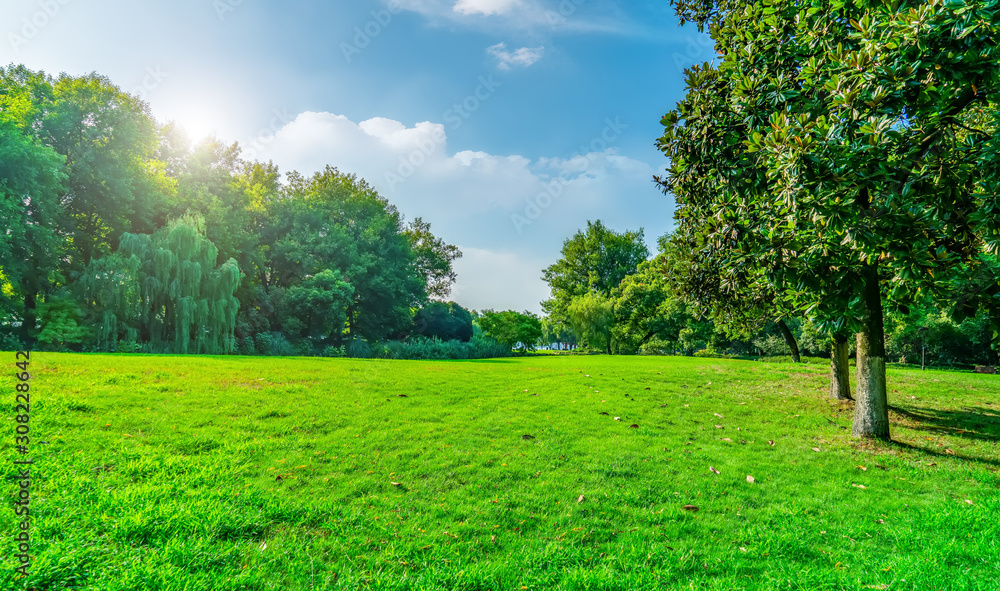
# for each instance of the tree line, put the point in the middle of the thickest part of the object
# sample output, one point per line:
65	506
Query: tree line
120	234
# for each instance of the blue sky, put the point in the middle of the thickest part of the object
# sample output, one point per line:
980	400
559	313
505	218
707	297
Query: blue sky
507	124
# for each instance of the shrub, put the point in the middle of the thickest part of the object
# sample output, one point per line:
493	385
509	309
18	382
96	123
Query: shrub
358	349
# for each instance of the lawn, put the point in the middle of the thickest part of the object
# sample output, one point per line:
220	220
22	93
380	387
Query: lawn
550	472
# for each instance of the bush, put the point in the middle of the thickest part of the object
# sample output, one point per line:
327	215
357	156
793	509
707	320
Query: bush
332	351
484	347
358	349
246	346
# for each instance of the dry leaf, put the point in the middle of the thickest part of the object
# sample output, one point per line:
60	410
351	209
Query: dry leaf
727	439
863	469
580	500
816	449
633	426
618	418
396	483
969	502
527	436
691	508
750	479
602	413
880	521
714	470
771	443
719	427
718	415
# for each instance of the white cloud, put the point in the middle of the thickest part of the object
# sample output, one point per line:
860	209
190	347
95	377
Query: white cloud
523	57
485	7
510	213
536	16
501	280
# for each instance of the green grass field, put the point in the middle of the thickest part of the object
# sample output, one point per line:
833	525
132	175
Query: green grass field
263	473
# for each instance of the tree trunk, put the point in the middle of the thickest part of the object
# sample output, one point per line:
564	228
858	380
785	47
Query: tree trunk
840	373
871	412
789	340
29	320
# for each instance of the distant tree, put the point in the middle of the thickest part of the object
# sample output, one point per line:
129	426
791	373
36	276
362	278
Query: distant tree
596	260
61	322
510	328
434	258
164	289
592	317
445	321
31	179
317	307
338	222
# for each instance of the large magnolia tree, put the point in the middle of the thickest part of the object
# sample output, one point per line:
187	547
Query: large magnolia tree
835	147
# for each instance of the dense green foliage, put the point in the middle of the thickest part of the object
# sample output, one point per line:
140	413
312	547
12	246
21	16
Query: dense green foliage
119	235
251	474
512	329
832	154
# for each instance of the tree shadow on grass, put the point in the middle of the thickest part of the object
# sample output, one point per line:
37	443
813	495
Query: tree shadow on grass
989	461
971	423
976	423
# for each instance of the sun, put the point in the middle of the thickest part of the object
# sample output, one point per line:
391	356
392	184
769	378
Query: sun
197	121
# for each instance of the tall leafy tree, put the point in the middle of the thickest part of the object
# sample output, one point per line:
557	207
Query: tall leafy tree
596	260
31	179
165	289
835	138
434	258
335	221
510	328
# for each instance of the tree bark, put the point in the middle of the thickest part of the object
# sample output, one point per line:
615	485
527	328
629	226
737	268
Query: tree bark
789	340
871	412
840	373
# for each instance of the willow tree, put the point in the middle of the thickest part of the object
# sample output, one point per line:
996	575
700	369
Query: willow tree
830	148
166	290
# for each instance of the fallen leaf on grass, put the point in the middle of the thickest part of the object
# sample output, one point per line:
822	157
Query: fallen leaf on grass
969	502
880	521
771	443
401	396
618	418
527	436
719	427
691	508
718	415
750	479
727	439
603	413
580	500
816	449
633	426
714	470
396	483
863	469
859	486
